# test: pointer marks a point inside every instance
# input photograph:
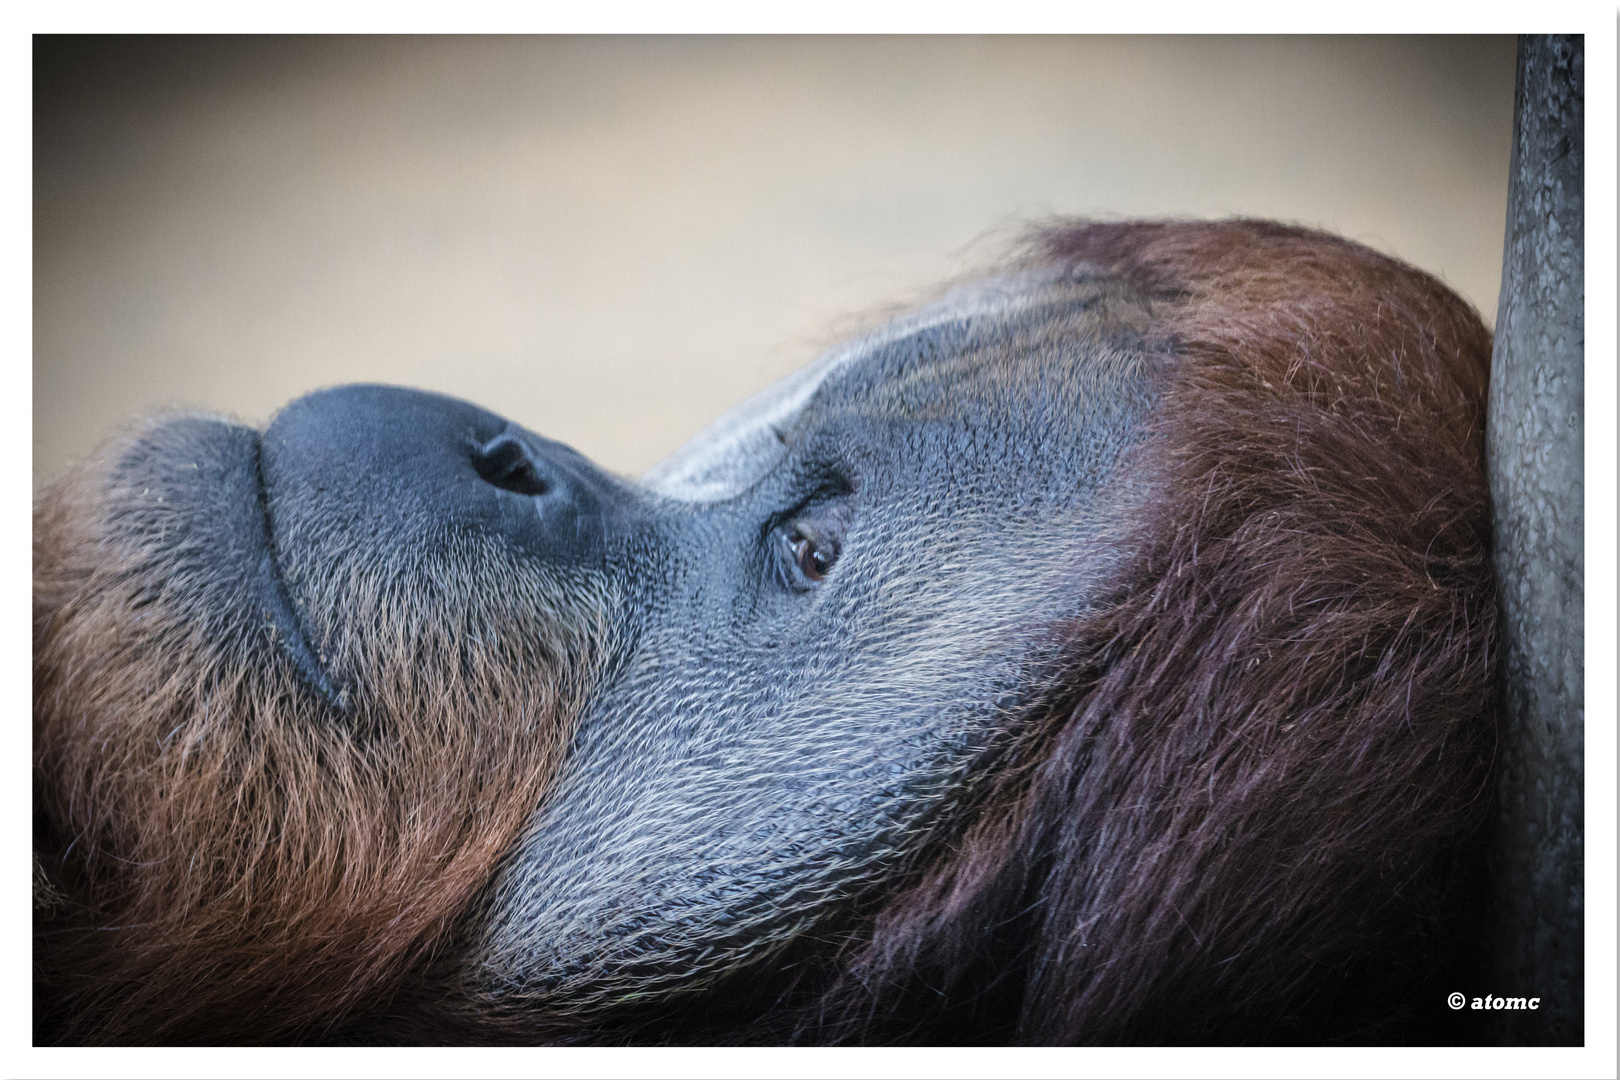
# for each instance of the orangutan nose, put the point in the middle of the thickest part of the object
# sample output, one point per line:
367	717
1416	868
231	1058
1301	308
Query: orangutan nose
507	462
383	465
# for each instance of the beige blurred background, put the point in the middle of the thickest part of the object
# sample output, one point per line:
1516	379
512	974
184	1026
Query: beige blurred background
612	239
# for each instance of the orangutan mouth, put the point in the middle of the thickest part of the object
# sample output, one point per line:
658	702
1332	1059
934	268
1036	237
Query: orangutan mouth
282	618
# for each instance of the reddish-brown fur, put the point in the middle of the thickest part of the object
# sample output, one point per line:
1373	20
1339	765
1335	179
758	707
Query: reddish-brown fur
236	866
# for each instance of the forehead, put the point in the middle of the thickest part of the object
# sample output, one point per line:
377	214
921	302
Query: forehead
1049	354
1038	351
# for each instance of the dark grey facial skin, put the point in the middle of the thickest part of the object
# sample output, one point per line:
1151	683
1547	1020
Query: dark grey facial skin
839	600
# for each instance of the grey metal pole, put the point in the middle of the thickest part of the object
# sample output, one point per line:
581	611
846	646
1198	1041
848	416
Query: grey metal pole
1534	446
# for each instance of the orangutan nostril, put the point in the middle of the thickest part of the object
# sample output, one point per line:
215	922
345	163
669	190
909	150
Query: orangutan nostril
506	462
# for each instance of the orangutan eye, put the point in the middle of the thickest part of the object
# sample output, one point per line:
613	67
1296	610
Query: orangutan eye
805	542
813	555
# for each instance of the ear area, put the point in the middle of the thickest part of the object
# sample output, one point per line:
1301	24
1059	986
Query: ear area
1254	812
